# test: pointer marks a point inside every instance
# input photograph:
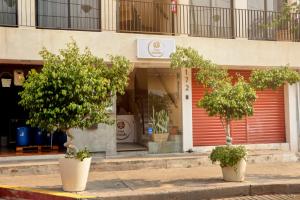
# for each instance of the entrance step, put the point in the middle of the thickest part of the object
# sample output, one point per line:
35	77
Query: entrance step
147	161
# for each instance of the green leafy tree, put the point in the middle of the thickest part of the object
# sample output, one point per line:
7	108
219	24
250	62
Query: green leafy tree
223	97
73	90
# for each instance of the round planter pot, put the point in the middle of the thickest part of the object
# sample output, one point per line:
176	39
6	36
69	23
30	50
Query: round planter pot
235	173
74	173
160	137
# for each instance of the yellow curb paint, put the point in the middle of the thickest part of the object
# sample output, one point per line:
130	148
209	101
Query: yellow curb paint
49	192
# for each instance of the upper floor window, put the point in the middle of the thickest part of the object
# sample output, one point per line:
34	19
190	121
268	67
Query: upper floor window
69	14
261	14
211	18
265	5
8	12
147	16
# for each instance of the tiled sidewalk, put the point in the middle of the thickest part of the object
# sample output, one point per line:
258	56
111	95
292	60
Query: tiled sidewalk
180	183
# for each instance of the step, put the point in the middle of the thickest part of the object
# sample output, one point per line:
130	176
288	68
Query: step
27	166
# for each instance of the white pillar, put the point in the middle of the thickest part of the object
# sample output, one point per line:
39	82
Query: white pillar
109	15
182	21
241	23
292	115
26	13
187	125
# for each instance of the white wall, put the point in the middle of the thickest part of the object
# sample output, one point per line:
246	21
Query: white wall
24	44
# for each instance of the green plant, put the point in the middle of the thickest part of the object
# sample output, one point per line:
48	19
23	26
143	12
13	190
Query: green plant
160	121
228	156
223	97
73	90
272	78
82	154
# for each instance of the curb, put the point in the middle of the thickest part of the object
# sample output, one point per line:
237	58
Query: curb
24	193
11	192
215	193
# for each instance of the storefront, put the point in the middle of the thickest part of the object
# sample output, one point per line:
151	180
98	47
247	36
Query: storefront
17	138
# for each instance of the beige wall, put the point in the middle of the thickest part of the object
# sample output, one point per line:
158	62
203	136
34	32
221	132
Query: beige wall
24	44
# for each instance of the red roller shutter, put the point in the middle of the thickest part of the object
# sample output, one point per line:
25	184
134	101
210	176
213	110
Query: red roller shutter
266	126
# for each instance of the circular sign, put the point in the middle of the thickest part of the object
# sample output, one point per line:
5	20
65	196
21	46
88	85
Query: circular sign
155	48
124	129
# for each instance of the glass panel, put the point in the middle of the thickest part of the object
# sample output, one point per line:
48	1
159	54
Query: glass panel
221	3
53	14
164	94
200	18
85	14
256	4
211	18
261	14
73	14
257	18
8	10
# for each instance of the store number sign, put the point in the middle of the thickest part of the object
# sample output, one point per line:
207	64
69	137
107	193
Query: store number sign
187	83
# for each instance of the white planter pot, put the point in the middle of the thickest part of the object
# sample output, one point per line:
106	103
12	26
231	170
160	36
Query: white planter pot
74	173
235	173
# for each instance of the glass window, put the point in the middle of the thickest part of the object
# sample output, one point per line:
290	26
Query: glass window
8	12
262	13
211	18
69	14
266	5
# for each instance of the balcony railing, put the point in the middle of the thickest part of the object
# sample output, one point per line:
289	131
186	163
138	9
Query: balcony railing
139	16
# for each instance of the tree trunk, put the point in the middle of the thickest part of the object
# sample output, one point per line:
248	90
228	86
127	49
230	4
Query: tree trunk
228	133
71	148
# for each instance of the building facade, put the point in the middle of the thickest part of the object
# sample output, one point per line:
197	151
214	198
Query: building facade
238	34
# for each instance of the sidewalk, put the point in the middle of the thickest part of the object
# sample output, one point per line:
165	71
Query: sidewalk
175	183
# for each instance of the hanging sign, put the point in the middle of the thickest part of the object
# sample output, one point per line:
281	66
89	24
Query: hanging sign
155	48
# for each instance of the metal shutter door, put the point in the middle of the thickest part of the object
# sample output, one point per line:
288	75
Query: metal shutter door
266	126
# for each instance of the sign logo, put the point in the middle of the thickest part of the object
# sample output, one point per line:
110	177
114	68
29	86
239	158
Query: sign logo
123	129
155	48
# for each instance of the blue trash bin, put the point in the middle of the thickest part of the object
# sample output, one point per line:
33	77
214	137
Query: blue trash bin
38	136
46	139
23	137
62	139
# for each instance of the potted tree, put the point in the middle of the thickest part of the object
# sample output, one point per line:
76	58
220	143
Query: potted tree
73	90
230	100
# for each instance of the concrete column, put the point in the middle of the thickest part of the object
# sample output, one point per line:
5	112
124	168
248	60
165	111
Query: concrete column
182	21
109	15
187	125
291	96
241	23
26	13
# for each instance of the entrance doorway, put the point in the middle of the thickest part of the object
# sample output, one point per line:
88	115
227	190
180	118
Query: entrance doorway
149	90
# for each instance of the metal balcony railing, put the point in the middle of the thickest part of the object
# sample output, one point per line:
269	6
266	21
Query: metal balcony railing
139	16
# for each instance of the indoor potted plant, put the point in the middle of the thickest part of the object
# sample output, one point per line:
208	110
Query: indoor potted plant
160	124
230	100
73	90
